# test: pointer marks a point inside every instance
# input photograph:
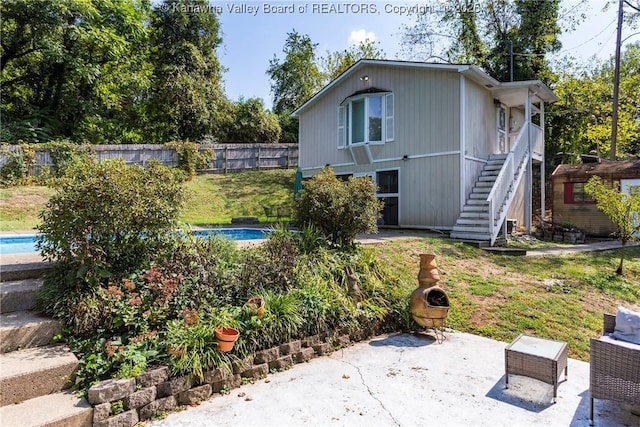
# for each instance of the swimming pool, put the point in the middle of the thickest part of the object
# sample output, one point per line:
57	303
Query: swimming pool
25	243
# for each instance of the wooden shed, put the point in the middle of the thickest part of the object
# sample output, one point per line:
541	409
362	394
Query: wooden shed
570	203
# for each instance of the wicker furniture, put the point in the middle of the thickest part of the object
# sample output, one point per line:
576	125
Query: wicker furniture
537	358
614	369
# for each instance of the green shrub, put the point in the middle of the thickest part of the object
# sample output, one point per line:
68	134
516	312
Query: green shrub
191	157
339	209
14	169
109	218
64	153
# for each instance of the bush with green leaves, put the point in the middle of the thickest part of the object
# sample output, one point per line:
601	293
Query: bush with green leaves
191	157
340	209
109	218
64	153
167	314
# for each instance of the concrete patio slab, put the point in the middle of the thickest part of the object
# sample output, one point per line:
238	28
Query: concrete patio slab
407	380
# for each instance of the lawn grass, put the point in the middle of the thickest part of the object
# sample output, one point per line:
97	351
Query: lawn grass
215	199
499	297
19	206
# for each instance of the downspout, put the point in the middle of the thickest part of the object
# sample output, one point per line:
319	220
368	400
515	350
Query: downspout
462	141
529	181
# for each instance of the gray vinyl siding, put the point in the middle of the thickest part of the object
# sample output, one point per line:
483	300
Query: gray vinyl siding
426	115
480	127
425	202
427	125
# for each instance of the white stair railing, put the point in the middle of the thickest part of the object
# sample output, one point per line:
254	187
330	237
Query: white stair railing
507	180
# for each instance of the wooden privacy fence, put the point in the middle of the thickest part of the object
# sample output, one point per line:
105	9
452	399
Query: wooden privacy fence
228	157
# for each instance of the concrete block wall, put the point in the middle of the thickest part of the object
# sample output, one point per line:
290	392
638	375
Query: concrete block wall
155	391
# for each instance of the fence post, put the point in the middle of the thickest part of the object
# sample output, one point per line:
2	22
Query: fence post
226	156
258	159
288	157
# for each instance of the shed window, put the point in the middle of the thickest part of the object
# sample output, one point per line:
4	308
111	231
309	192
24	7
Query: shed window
365	119
574	194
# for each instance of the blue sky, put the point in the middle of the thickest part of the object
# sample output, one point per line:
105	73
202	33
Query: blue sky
256	30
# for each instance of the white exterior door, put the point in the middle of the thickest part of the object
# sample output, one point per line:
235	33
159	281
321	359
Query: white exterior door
501	130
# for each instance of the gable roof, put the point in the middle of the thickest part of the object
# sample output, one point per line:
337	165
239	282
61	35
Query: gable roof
541	91
609	169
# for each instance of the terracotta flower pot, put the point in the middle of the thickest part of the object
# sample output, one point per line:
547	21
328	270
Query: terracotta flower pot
256	304
226	338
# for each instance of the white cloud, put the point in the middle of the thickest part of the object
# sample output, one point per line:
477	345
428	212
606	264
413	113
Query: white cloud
358	36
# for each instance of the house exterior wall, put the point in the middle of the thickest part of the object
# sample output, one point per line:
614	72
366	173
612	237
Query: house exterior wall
480	126
480	131
586	217
427	130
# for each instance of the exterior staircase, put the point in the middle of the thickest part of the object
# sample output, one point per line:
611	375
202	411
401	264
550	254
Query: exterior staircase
473	222
34	373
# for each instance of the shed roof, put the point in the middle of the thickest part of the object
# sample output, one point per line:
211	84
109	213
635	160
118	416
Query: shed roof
620	169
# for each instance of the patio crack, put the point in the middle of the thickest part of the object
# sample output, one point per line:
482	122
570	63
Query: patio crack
371	393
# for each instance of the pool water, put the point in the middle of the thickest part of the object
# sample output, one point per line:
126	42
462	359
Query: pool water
25	243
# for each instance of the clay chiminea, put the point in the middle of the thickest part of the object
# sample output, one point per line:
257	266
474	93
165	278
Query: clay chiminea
429	302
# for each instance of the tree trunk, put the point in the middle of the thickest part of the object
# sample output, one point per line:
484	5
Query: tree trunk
619	270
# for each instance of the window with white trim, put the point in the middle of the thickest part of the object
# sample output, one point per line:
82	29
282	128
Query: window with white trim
366	119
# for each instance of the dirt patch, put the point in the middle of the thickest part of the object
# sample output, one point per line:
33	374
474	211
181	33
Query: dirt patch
24	201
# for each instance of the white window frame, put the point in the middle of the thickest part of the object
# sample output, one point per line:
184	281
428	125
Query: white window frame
345	119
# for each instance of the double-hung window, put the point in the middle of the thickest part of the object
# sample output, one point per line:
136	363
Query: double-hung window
366	119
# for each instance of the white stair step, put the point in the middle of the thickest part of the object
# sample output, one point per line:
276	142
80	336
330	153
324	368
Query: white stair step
19	295
470	236
479	222
62	409
476	209
478	196
490	172
35	372
484	189
471	229
488	178
493	166
479	202
26	329
475	215
501	156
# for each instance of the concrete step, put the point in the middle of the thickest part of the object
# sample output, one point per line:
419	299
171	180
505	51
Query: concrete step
19	295
35	372
23	270
62	409
26	329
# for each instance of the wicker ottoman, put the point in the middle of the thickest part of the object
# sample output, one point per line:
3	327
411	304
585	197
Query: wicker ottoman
537	358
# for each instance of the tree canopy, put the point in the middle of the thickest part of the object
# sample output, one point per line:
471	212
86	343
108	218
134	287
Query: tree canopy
486	36
336	63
